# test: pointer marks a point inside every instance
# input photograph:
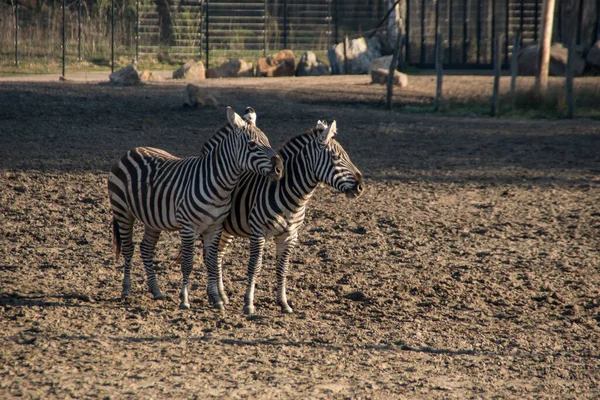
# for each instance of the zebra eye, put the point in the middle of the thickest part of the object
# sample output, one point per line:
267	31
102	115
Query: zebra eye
252	143
335	156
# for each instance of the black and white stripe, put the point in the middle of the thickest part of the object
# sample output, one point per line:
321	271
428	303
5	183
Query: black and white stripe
262	208
192	195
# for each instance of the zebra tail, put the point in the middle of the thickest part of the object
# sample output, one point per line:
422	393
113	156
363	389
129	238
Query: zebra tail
116	240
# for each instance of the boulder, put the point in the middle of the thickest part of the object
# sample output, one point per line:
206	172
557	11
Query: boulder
310	65
234	68
191	71
382	62
280	64
593	57
125	76
146	76
194	96
359	55
380	76
527	59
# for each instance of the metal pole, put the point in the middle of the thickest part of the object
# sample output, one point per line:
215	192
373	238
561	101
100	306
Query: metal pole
407	36
206	15
285	27
536	15
17	33
514	66
336	22
265	28
569	79
478	30
521	20
496	61
466	16
112	35
422	31
450	36
137	30
439	73
506	31
392	70
493	5
79	30
64	38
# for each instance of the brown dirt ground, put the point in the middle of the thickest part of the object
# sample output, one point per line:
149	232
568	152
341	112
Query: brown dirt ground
469	269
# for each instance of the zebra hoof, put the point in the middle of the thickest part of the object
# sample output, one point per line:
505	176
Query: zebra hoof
286	309
225	299
219	306
125	294
159	296
249	310
184	306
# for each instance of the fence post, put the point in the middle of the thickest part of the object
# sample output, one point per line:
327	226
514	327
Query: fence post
439	73
346	45
569	78
79	30
497	66
265	28
393	66
17	33
466	20
285	23
112	35
137	30
64	37
514	66
206	15
337	22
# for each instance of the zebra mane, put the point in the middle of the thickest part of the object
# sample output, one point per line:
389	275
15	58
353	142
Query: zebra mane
296	143
215	139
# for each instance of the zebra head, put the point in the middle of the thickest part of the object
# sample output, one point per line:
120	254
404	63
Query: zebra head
255	153
333	165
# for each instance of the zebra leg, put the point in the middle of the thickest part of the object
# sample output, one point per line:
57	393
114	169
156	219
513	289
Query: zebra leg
257	244
285	245
147	248
215	279
127	248
223	245
188	237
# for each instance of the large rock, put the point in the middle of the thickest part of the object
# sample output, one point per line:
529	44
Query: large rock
310	65
380	76
382	62
147	76
191	71
125	76
234	68
194	96
527	59
593	57
280	64
359	55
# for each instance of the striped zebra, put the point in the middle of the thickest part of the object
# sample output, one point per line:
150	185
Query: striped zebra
192	195
262	208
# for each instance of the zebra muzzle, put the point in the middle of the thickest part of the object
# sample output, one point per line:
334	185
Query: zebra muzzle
277	167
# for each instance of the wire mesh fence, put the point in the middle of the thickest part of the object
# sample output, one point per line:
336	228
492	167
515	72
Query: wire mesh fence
102	33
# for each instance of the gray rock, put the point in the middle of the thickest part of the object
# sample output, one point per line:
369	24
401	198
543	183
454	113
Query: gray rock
593	57
310	65
191	71
125	76
380	76
527	58
234	68
359	55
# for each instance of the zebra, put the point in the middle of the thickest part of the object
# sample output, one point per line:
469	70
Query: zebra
262	208
192	195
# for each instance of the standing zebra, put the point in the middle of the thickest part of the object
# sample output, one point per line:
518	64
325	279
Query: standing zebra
262	208
192	195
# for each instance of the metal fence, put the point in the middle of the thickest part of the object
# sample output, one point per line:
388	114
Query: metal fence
100	31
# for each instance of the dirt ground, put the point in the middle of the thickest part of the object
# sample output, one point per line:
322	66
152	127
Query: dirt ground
469	268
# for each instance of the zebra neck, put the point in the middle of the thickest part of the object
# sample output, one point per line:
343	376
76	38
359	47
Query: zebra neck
217	173
299	181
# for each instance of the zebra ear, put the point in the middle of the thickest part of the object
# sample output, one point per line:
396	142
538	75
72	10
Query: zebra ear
328	133
321	125
234	119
